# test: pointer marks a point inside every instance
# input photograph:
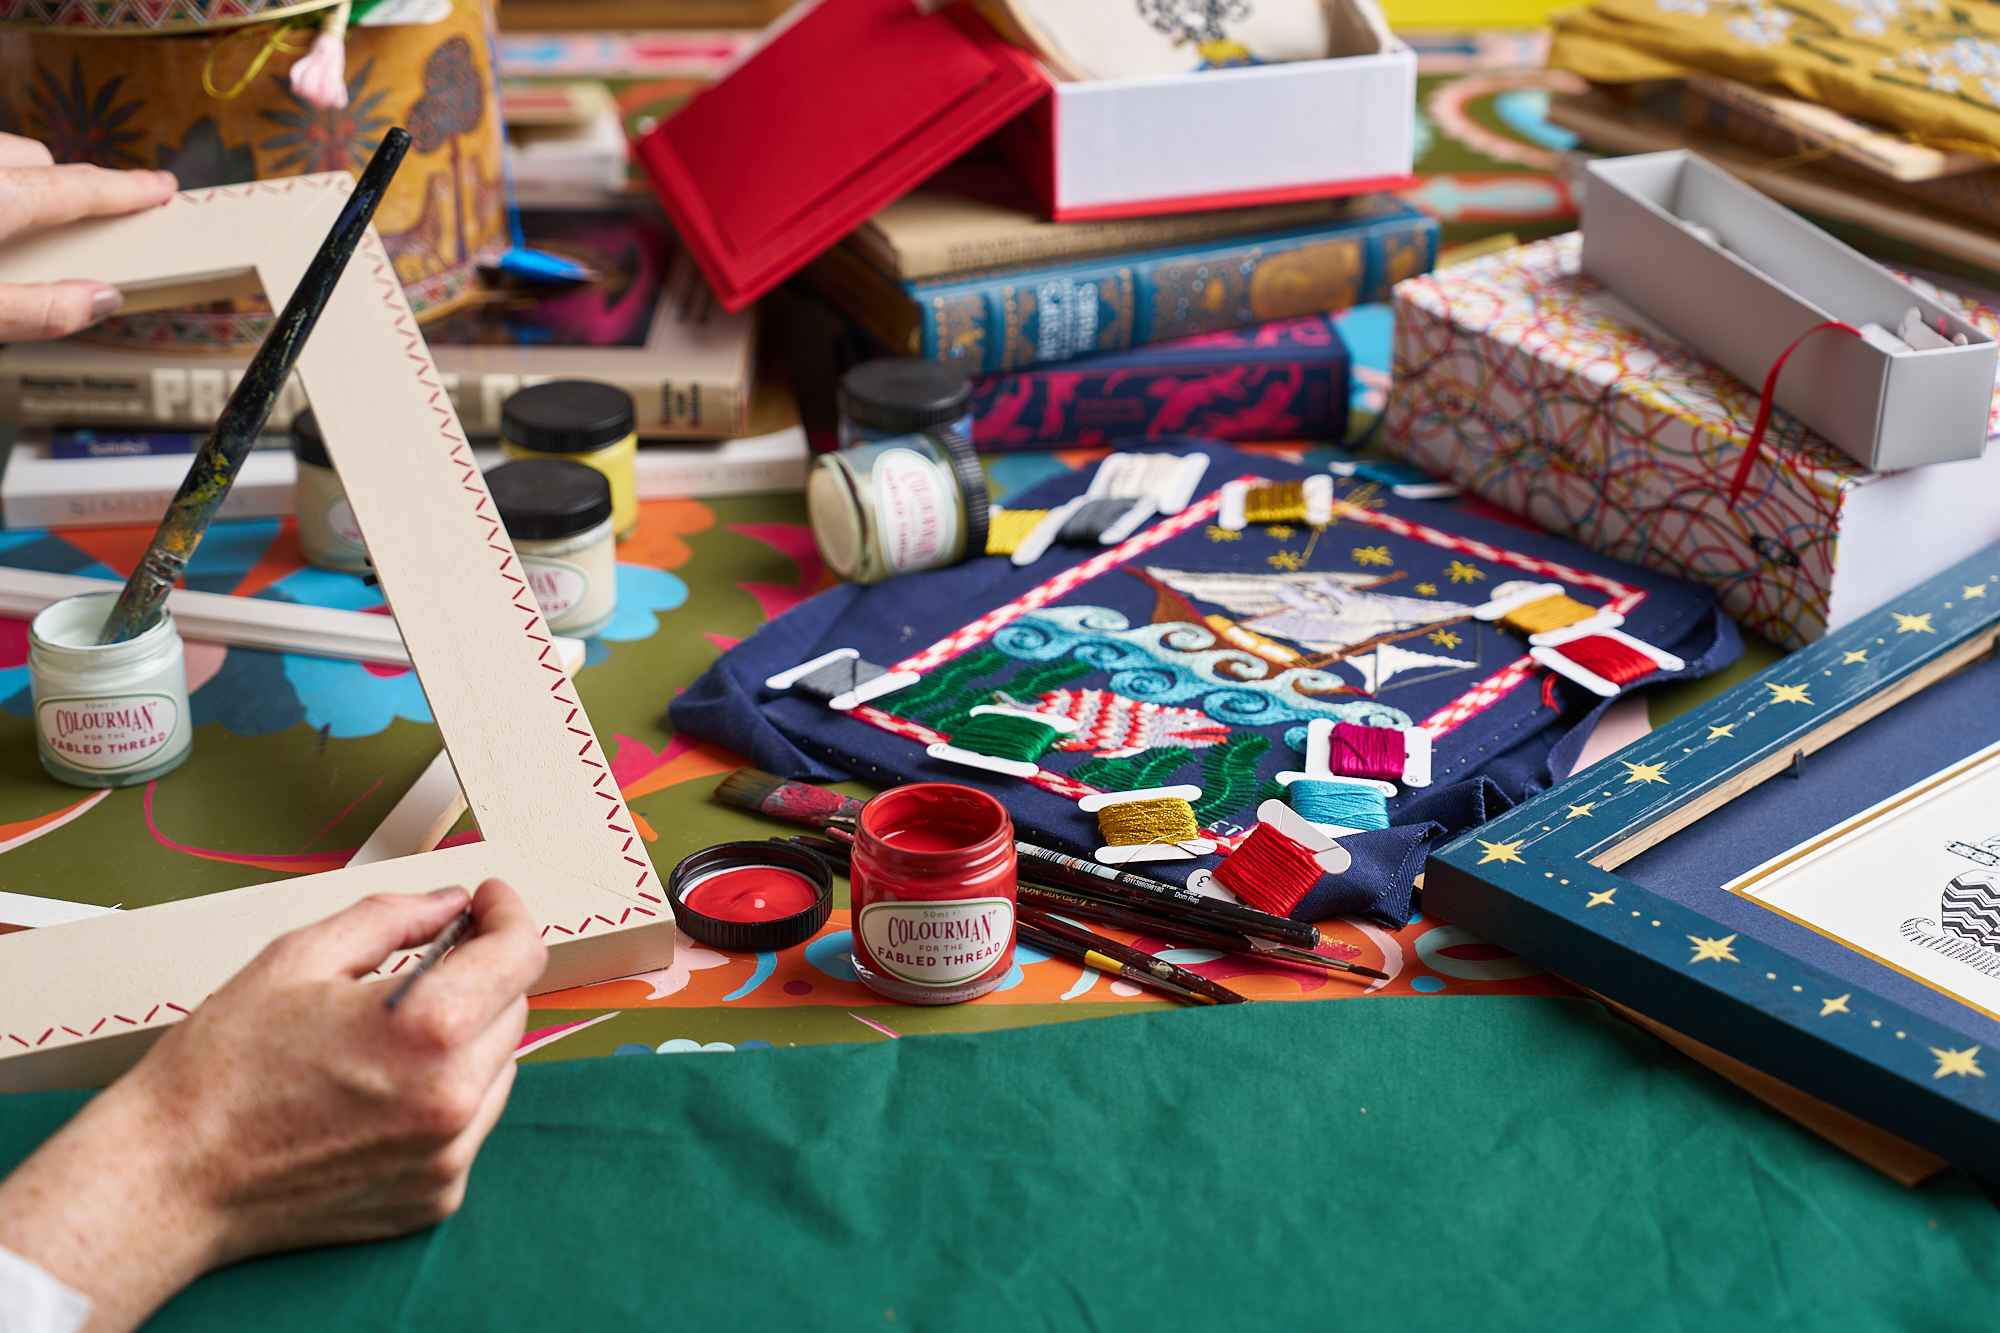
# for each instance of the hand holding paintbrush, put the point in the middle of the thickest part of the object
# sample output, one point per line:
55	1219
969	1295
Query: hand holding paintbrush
249	407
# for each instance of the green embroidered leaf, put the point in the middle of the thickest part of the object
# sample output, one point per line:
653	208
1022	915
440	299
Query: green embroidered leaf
1030	684
1135	772
1229	782
946	690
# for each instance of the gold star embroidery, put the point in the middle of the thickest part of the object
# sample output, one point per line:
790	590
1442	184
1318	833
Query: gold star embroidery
1460	572
1643	772
1913	624
1713	951
1371	555
1974	590
1964	1063
1502	852
1857	656
1787	694
1723	732
1601	899
1835	1004
1425	589
1218	533
1290	561
1279	531
1445	638
1582	811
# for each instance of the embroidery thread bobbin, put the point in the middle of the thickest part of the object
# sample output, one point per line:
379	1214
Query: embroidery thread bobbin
1002	764
1315	509
1552	656
1319	758
1512	598
1403	481
1038	541
856	686
1281	861
1166	481
1185	849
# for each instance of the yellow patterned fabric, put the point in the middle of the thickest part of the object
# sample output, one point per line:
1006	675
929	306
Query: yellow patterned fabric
1930	68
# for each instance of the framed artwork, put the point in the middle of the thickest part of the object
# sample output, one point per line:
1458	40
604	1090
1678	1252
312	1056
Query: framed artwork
80	1001
1802	873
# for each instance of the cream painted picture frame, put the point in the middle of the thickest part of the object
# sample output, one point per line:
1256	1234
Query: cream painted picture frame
79	1002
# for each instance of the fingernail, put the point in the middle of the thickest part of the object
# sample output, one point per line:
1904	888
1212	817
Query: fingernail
104	303
451	891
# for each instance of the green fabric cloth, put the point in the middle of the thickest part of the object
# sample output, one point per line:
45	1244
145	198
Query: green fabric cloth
1499	1163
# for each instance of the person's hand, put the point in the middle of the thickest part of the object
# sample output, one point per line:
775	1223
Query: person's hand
320	75
293	1108
34	194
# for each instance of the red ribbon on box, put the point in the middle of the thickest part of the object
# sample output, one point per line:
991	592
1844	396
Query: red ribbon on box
1766	403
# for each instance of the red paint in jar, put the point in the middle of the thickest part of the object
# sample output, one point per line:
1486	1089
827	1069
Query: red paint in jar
933	893
752	893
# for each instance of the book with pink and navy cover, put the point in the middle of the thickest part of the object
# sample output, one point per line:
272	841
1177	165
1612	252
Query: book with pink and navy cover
1285	380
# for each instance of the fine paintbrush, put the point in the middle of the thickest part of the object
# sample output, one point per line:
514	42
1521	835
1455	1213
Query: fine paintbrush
1062	947
447	940
1133	959
1114	912
817	808
243	417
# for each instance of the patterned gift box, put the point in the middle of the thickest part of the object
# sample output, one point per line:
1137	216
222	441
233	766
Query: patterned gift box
1526	381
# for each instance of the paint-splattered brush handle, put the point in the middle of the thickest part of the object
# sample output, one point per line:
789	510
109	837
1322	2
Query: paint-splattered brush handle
249	407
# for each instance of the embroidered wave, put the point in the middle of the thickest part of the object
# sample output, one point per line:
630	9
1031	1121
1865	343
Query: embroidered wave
1183	663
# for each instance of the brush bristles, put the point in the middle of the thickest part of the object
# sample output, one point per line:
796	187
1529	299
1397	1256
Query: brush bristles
748	789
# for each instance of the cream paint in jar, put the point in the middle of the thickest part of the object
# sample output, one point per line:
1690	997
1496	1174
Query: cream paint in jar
108	715
328	535
897	505
558	514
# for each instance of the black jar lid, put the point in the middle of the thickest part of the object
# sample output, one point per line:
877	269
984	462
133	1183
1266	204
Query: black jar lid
972	485
902	394
567	416
751	936
547	499
308	445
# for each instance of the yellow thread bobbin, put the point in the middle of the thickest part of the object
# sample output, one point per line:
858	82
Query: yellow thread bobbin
1278	502
1148	823
1006	529
1550	613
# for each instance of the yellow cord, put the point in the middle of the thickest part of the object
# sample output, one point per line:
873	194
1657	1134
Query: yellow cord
1279	502
1006	529
279	40
1136	823
1550	613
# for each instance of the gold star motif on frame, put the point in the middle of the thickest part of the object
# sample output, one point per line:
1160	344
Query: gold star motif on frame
1906	624
1973	590
1602	898
1581	811
1963	1063
1713	951
1371	555
1458	571
1723	732
1835	1004
1503	852
1445	638
1643	772
1425	589
1855	657
1788	694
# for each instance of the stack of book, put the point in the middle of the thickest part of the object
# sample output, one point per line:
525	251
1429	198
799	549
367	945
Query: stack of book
1216	323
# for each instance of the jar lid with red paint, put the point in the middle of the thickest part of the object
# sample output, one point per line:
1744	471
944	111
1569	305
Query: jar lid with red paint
752	897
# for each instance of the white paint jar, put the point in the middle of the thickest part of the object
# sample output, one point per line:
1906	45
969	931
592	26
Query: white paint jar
110	715
558	514
328	534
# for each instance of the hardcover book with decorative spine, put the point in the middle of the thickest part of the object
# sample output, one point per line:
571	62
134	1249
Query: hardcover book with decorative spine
1024	317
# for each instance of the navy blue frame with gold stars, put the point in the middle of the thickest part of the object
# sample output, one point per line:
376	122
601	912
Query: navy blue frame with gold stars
1661	935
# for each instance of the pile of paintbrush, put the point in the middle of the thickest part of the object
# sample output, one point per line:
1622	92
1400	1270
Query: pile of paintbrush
1055	890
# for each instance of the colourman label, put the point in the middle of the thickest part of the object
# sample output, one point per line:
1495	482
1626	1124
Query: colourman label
937	944
108	735
558	584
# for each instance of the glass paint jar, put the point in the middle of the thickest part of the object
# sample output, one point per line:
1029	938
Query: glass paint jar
109	715
933	893
584	422
328	534
897	505
558	514
905	396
